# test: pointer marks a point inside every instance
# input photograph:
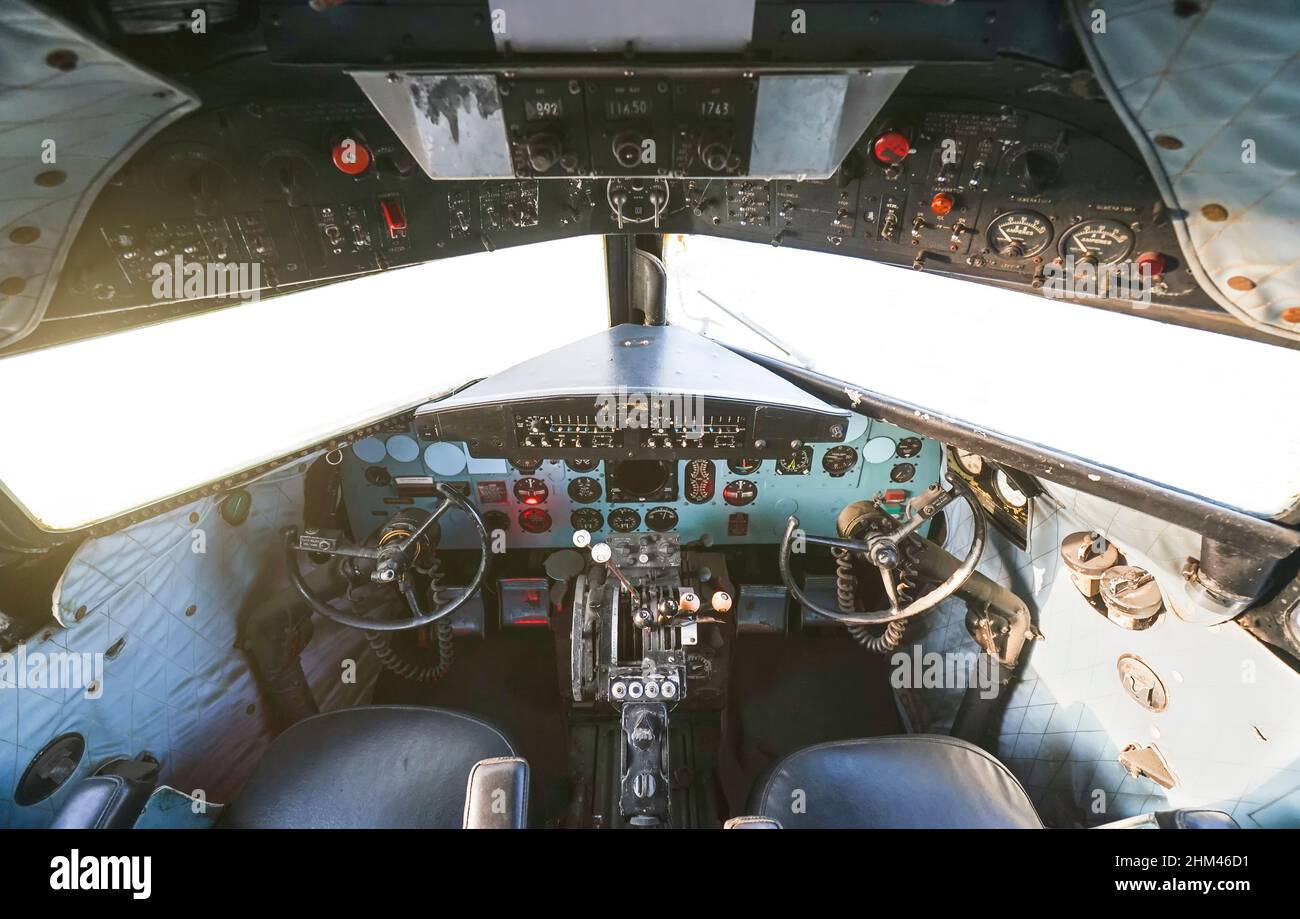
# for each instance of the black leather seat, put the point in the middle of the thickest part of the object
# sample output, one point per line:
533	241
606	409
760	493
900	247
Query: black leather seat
382	766
912	781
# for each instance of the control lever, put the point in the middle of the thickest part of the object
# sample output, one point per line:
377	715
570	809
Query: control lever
602	554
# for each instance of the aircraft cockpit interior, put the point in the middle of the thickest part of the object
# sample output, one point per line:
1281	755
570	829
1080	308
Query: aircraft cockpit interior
626	415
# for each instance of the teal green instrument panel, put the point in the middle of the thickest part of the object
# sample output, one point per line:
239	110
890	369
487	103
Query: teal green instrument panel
729	502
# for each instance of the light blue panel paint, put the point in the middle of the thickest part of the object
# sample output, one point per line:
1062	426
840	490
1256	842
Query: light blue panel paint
817	498
402	448
369	450
445	459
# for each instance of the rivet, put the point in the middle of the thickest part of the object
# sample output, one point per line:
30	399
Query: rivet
1168	142
80	614
1215	212
24	236
1238	282
51	177
1291	314
12	287
191	610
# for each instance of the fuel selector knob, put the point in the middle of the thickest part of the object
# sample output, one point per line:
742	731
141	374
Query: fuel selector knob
720	601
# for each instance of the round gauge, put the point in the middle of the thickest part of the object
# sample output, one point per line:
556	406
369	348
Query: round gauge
739	493
370	449
526	466
903	472
798	463
661	519
1019	234
496	520
534	520
701	480
1102	242
909	447
744	466
587	518
582	465
531	490
1008	491
839	460
971	463
584	490
624	520
378	475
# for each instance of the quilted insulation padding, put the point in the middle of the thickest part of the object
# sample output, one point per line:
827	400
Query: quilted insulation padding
1229	733
1224	82
179	688
97	114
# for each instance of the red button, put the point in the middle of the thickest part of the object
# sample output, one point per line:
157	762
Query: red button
894	495
891	147
351	157
941	203
1155	260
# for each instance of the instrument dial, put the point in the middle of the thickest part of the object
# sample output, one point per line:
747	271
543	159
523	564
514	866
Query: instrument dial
582	465
971	463
624	519
587	518
584	490
909	447
798	463
740	492
1008	491
701	481
744	466
1102	242
526	466
534	520
903	472
531	490
661	519
839	460
1019	234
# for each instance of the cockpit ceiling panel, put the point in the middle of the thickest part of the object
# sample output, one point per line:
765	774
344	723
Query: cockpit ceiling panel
1212	99
603	26
71	113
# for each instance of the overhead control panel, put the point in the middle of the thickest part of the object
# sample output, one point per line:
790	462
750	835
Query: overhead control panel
620	122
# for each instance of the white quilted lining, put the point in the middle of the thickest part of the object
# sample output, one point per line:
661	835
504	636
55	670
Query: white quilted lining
1213	80
1067	721
98	114
179	688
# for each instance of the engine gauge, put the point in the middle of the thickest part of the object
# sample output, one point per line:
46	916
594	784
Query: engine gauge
909	447
1008	491
701	480
903	472
661	519
1019	234
1103	242
587	518
584	490
798	463
534	520
971	463
526	466
744	466
531	490
582	465
839	460
624	519
740	492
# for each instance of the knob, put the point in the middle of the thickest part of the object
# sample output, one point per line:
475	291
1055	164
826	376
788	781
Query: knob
601	553
1155	260
720	601
689	602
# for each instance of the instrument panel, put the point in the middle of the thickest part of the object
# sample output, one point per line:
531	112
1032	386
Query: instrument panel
972	188
539	503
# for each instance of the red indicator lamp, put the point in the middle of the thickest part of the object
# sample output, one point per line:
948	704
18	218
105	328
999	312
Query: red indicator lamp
1153	259
941	204
891	147
350	156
